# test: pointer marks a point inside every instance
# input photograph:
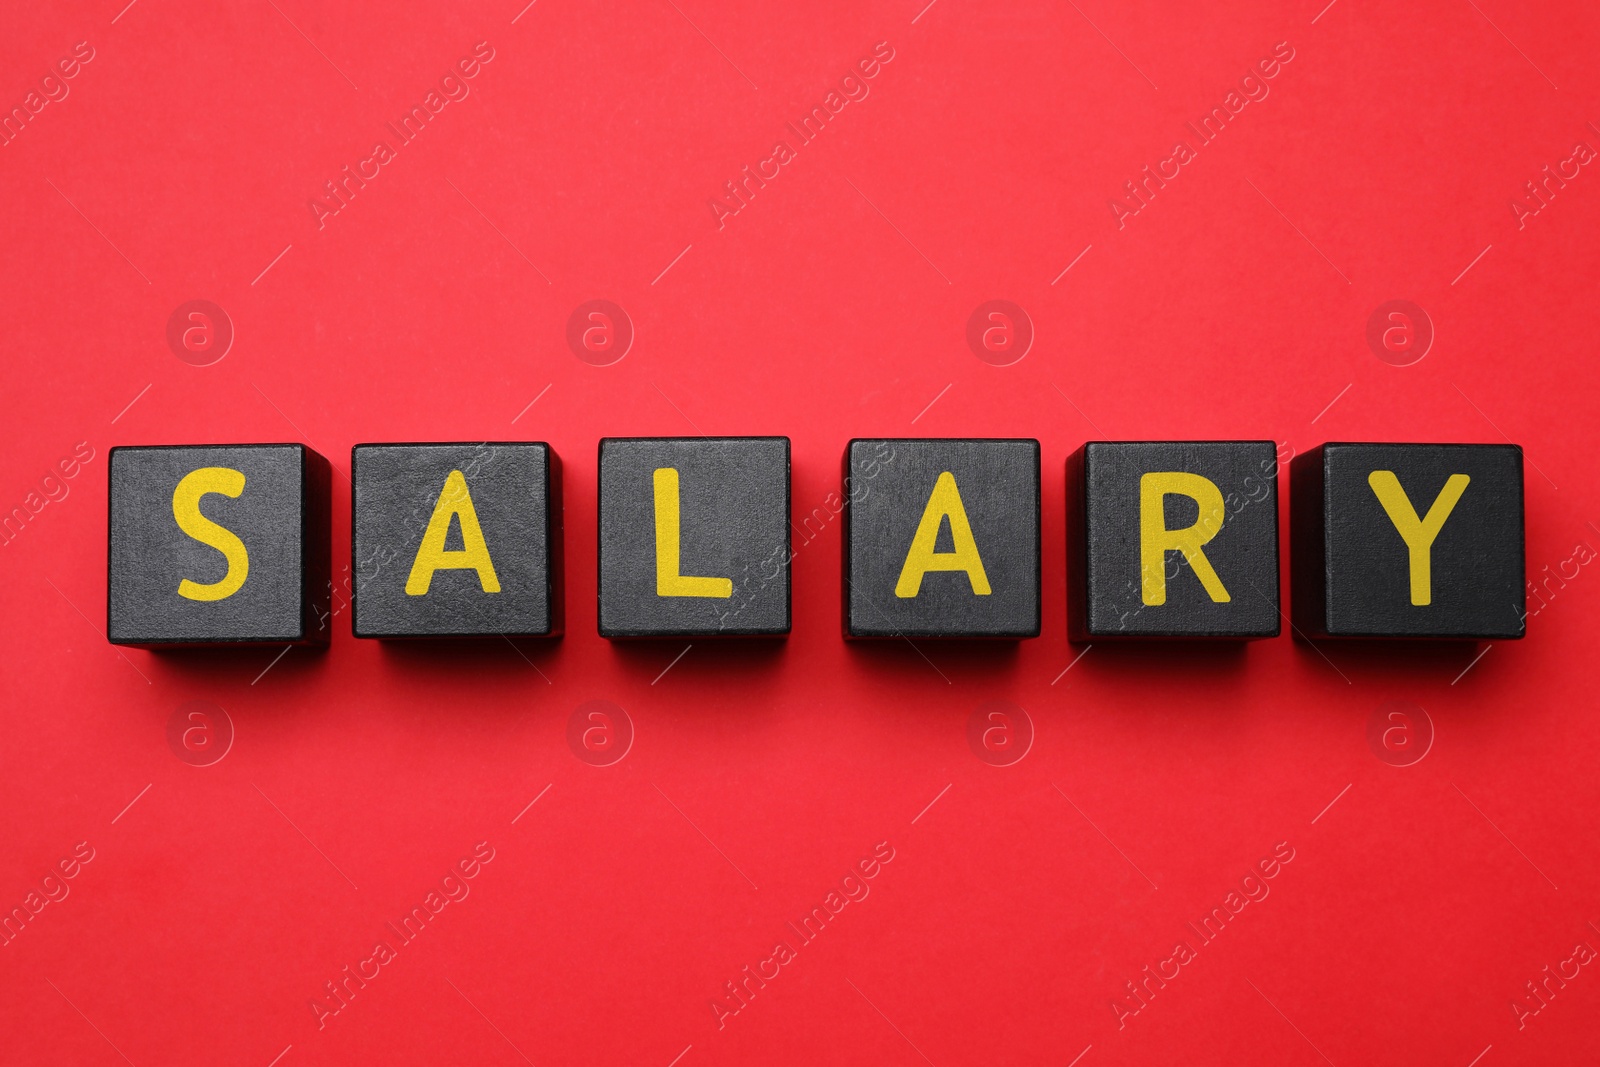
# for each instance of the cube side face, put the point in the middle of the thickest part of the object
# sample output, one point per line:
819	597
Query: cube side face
316	532
850	489
216	545
1308	544
731	576
1472	585
1218	574
897	487
1077	549
558	552
496	507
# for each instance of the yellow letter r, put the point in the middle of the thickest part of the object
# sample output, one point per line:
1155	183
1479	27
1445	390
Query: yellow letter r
1155	539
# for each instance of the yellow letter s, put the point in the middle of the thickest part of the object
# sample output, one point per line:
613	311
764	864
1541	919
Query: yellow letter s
186	510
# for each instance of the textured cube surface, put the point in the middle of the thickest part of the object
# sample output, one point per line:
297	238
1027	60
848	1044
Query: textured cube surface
694	536
1173	539
1408	541
941	538
456	540
218	544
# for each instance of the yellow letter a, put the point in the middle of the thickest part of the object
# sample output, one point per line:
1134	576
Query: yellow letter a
186	509
1418	534
669	546
473	554
1155	539
944	503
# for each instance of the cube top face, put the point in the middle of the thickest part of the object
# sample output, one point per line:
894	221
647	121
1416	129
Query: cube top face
455	540
694	536
216	544
1467	582
942	538
1179	539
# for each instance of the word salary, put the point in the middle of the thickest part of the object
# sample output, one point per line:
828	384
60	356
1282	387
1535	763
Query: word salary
226	544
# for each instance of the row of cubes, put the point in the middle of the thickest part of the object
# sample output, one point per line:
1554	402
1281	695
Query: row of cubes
227	544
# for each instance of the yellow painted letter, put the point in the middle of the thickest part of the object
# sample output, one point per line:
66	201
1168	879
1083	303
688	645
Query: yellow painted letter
669	546
1418	534
945	503
186	509
1155	539
473	554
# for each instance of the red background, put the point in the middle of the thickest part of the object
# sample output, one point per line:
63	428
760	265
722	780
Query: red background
834	305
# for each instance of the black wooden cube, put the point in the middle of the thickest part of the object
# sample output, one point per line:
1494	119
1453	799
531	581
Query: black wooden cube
456	540
1172	539
1408	540
941	538
218	545
694	536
